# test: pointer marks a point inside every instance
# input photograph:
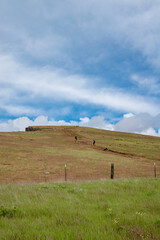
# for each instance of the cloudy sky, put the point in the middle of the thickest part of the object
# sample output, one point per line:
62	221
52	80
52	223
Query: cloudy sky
89	63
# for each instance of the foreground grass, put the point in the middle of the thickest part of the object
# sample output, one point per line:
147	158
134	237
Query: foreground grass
118	209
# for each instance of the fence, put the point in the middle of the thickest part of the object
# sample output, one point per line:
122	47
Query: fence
70	172
155	172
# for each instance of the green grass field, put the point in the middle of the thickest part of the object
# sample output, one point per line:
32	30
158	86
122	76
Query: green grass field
110	209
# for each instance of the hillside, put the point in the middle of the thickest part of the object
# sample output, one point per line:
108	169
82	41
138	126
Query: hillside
38	156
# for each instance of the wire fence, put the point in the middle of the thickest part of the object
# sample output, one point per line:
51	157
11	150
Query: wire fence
113	172
69	172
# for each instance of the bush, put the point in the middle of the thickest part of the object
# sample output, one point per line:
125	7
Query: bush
7	211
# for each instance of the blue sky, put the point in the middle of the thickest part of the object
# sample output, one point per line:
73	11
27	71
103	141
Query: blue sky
89	63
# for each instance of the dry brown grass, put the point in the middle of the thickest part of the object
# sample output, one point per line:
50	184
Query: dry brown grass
28	156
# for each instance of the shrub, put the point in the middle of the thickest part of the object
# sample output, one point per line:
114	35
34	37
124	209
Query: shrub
7	211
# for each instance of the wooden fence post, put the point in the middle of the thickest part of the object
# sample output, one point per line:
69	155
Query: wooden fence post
155	170
112	170
65	172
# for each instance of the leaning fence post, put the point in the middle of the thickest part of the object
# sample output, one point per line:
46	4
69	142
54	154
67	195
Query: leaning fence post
155	170
112	170
65	172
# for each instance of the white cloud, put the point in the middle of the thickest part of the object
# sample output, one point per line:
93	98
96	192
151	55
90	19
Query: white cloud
150	84
150	131
96	122
21	123
45	28
49	32
128	115
47	46
57	85
141	123
17	110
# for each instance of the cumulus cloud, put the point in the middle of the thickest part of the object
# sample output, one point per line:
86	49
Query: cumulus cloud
21	123
152	132
96	122
141	123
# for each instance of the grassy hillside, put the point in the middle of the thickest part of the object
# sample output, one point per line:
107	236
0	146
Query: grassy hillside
39	156
113	210
107	209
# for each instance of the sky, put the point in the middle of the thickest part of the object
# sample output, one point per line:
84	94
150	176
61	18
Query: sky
90	63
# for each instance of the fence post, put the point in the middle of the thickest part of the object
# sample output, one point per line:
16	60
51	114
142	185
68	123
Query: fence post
112	170
155	170
65	172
